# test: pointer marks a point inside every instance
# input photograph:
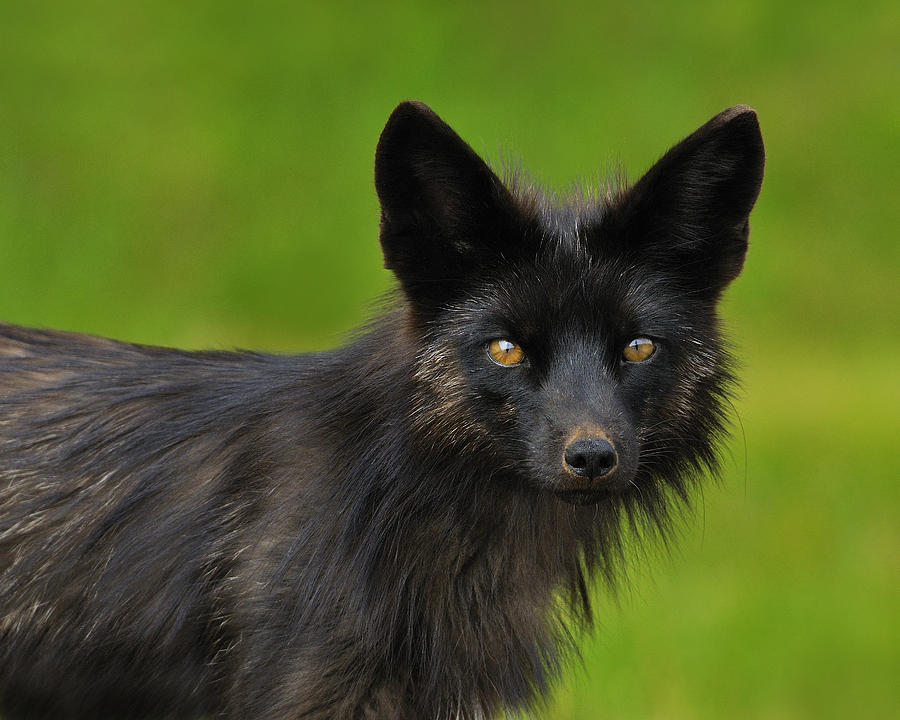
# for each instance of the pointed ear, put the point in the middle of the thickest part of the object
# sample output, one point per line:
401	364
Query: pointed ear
443	211
689	214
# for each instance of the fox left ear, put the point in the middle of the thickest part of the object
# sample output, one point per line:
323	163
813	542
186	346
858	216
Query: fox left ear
689	214
444	213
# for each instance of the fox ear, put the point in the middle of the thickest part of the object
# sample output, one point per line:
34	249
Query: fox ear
689	214
443	210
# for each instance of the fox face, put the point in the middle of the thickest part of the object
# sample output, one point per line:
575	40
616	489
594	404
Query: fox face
574	339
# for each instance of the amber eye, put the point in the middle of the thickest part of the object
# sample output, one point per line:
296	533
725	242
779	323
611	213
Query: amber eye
638	350
505	352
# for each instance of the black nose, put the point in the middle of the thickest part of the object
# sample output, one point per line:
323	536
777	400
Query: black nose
591	457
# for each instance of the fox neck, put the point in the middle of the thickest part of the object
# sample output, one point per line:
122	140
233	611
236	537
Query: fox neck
456	563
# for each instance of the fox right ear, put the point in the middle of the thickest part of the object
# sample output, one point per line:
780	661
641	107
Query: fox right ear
689	214
443	210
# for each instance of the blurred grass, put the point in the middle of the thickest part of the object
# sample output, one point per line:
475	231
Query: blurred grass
200	174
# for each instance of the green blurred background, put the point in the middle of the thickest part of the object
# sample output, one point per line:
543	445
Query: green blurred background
200	174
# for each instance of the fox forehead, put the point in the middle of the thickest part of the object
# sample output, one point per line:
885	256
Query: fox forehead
568	287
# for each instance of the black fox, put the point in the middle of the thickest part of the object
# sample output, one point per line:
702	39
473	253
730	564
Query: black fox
406	527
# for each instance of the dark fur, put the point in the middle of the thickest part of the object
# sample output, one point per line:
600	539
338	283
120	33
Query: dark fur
376	531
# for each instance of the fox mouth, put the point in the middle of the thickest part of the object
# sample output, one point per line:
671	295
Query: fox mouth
583	496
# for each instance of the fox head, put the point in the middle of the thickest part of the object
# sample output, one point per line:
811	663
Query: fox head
575	338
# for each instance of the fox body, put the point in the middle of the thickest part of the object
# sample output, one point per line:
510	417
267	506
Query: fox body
405	527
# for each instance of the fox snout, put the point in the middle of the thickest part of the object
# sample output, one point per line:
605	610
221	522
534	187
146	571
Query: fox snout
591	457
594	463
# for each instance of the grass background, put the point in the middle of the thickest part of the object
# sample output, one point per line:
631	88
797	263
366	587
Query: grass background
200	174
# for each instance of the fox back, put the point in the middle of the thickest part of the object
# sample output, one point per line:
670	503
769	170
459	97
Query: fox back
406	527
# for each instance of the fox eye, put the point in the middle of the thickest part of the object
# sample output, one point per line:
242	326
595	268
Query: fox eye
638	350
505	352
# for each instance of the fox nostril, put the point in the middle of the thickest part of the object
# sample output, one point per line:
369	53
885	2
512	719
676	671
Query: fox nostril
591	457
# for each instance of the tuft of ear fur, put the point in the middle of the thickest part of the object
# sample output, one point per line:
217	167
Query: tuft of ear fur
444	212
689	214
